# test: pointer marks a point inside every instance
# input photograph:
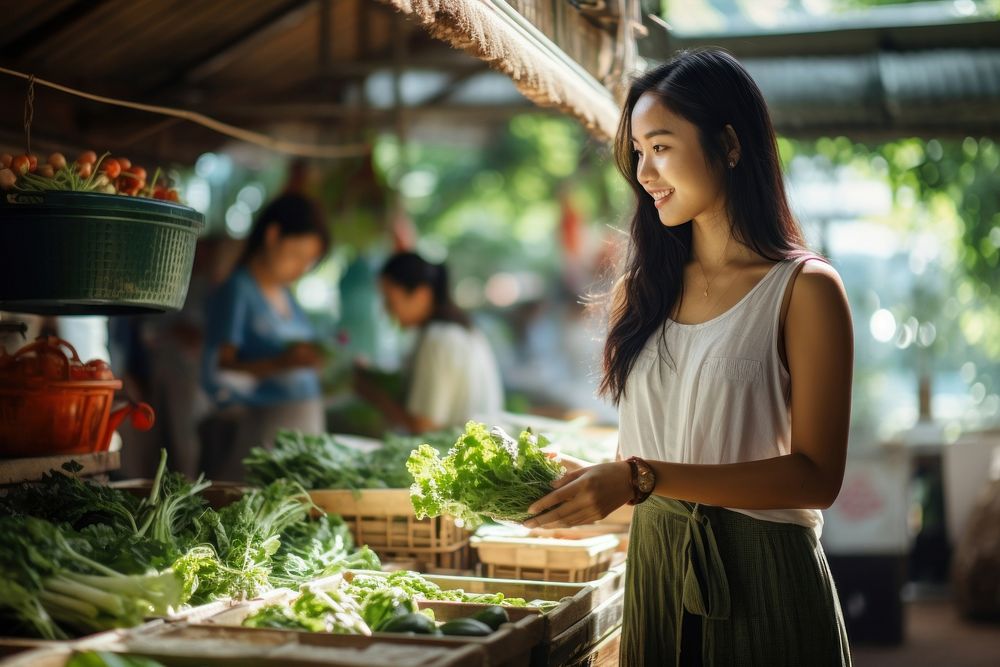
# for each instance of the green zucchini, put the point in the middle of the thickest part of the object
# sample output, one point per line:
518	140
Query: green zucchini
493	616
466	627
416	622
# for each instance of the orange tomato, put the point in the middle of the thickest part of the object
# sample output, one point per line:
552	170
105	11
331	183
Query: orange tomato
111	167
32	162
20	165
57	160
88	157
125	163
85	169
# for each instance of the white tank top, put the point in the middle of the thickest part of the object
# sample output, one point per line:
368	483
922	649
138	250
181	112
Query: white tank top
717	392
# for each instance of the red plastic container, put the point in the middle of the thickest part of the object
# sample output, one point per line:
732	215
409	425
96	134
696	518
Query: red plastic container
49	407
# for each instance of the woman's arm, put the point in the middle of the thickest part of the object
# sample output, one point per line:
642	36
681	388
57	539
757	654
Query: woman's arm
300	355
819	345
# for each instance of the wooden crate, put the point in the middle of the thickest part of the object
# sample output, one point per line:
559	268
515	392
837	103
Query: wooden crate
10	646
233	647
569	621
604	653
510	646
384	520
586	613
546	558
583	640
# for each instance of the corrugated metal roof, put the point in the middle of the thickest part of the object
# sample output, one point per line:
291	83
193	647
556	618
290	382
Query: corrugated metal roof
943	92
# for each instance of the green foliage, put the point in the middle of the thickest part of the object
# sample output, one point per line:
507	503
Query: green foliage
486	473
314	610
381	607
419	588
320	462
950	188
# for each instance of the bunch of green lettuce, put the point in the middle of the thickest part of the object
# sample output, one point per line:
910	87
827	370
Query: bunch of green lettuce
486	473
314	610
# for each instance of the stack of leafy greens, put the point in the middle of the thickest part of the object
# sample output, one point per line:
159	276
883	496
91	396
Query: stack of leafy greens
321	462
363	585
486	473
314	610
379	603
80	557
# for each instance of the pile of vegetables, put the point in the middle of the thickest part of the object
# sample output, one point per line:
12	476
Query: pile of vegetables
89	173
419	588
486	473
313	610
85	557
354	610
320	462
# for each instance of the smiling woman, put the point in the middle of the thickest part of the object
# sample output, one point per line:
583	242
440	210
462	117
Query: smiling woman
723	327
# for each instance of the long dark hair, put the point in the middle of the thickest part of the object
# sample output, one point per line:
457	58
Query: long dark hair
294	215
410	271
710	89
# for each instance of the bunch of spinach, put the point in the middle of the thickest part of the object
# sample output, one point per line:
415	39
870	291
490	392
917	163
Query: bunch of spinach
486	473
321	462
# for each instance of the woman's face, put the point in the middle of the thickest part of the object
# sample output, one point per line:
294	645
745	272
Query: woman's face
672	165
290	257
411	308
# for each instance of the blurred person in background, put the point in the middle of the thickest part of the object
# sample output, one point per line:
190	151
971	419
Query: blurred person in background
453	375
261	354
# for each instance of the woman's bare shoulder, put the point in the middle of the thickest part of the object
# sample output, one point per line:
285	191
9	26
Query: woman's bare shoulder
818	300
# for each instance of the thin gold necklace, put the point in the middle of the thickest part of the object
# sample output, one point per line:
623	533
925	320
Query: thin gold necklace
708	283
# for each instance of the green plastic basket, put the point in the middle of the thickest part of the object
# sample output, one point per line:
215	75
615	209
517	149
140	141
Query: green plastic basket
81	253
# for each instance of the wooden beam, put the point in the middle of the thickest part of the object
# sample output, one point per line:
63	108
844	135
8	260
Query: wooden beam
48	31
219	55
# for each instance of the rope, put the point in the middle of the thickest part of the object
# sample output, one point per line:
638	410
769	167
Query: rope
29	111
263	140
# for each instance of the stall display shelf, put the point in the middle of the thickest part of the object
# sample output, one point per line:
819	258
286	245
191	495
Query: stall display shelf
231	647
16	471
546	558
509	646
384	520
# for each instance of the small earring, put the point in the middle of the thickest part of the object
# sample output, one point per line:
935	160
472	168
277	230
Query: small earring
732	163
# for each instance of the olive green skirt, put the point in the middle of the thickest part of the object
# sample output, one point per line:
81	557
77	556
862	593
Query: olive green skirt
761	590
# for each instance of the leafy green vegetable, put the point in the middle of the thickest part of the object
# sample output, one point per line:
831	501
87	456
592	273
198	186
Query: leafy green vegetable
486	473
313	610
415	585
318	548
49	581
321	462
382	606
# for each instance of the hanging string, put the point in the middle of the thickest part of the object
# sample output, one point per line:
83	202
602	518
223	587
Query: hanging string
29	112
257	138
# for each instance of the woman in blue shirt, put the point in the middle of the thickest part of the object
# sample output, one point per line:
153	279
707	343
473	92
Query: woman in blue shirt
261	349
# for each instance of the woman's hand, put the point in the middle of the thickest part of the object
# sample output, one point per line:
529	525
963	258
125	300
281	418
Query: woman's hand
583	496
571	463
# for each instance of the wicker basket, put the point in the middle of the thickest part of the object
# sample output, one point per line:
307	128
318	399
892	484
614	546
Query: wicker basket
81	253
546	559
384	520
